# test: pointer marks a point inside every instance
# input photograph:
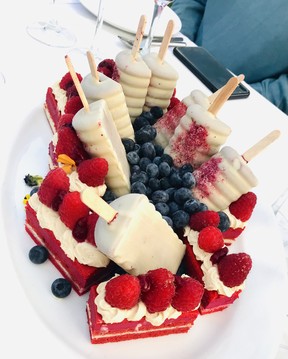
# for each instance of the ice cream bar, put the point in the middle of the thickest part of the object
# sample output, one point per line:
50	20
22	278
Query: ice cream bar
134	74
137	238
226	176
198	136
197	96
112	92
97	131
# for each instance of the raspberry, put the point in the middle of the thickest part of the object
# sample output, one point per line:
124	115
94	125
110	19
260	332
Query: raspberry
123	291
188	294
157	289
55	182
72	209
73	105
244	206
234	268
210	239
218	255
80	230
65	120
93	171
67	81
200	220
232	233
173	102
71	91
69	144
108	67
92	219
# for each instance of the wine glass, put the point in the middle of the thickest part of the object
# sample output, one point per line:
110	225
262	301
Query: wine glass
94	49
159	6
51	32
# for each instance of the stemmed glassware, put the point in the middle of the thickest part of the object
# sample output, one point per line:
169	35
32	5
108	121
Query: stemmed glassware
94	49
51	32
159	6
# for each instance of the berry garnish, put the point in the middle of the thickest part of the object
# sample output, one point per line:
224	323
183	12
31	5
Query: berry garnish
73	105
67	81
234	268
188	294
123	291
61	288
244	206
218	255
93	171
157	289
65	120
204	219
38	254
210	239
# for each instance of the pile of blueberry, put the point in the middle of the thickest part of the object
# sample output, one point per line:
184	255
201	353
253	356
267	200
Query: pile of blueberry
153	173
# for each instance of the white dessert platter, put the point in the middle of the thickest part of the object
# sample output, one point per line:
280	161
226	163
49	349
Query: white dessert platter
125	15
250	328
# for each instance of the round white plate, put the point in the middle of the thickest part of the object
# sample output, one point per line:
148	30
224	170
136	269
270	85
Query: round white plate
125	15
251	328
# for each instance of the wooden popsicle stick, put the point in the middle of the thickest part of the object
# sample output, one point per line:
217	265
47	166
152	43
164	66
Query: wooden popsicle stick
77	83
223	96
166	40
98	205
216	93
139	36
92	65
260	146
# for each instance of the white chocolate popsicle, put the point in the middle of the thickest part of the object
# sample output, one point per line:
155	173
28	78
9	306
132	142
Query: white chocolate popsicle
97	131
137	238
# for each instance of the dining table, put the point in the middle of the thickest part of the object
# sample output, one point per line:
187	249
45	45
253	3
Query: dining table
28	68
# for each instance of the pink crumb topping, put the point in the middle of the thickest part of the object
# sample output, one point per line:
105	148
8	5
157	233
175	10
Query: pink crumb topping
170	120
187	146
207	175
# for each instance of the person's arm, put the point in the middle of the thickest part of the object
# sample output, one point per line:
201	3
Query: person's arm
190	13
275	90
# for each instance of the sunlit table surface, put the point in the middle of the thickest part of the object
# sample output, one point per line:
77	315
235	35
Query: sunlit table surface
29	67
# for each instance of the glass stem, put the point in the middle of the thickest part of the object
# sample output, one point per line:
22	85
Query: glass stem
99	23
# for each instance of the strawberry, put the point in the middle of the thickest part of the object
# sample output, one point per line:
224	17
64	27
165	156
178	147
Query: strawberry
244	206
93	171
55	182
67	81
123	291
210	239
157	289
73	105
200	220
188	294
72	209
234	268
69	144
65	120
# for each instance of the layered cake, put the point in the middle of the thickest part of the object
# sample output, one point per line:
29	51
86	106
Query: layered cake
158	304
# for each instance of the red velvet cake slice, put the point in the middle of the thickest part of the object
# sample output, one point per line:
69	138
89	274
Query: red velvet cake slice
57	219
151	305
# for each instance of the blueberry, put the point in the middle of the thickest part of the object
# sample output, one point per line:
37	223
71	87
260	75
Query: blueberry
167	158
109	196
152	170
185	168
144	162
139	177
34	190
138	187
203	207
157	160
154	184
224	221
168	220
175	180
140	122
38	254
156	112
133	157
181	195
170	192
159	196
145	134
164	169
129	144
165	183
149	116
148	150
61	288
192	206
135	169
173	207
180	219
159	150
163	208
188	180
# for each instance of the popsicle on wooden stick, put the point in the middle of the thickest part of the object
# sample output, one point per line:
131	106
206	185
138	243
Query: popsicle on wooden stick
123	235
226	176
164	77
134	74
97	131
